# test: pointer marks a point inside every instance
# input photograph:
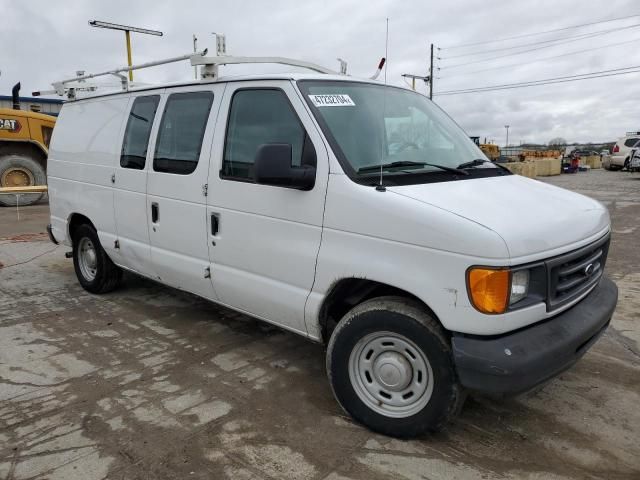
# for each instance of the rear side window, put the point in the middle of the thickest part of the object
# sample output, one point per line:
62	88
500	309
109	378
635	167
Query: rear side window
258	117
181	131
630	142
136	135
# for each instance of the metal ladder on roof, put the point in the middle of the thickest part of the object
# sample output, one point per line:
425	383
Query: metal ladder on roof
208	69
209	66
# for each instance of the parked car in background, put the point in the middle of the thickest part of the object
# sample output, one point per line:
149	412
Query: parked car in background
620	154
583	153
634	158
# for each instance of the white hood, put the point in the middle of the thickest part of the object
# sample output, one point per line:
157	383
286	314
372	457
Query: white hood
532	217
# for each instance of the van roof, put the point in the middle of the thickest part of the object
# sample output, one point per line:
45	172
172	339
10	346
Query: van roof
231	78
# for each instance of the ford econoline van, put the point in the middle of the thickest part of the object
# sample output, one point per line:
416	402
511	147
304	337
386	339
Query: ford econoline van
356	214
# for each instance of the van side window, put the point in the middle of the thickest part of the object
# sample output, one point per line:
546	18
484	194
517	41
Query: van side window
257	117
136	135
180	136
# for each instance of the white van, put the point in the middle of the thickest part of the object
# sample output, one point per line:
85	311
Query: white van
355	214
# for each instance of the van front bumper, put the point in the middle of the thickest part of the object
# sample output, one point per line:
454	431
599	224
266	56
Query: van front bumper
516	362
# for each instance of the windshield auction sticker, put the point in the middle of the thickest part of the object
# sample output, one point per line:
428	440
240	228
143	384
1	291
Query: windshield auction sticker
337	100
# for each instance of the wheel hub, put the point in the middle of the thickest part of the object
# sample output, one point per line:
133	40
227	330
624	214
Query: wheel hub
393	371
390	374
91	258
87	259
17	177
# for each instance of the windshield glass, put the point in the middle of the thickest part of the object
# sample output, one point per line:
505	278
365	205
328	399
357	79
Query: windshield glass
371	125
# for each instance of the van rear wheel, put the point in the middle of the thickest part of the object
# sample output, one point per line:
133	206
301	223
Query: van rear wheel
390	367
94	269
19	170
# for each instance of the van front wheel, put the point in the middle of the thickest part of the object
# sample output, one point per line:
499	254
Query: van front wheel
390	367
94	269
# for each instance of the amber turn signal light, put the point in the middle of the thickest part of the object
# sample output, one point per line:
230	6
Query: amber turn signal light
489	289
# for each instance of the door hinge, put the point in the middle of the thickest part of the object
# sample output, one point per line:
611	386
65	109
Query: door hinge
207	272
205	189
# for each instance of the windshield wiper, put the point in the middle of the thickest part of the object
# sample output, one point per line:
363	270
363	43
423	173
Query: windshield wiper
407	163
481	161
474	163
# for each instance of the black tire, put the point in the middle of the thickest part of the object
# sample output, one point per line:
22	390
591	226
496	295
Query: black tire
410	320
107	274
627	162
33	169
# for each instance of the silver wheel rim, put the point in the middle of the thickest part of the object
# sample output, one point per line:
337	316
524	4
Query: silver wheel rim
87	259
390	374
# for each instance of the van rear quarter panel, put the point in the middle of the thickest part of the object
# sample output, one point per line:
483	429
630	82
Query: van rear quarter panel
84	149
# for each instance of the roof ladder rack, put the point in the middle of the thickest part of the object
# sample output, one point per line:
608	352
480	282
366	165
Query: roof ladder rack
208	70
69	88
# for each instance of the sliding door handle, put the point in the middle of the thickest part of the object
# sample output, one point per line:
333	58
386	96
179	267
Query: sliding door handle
215	224
155	212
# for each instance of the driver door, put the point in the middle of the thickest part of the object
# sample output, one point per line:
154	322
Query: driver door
264	240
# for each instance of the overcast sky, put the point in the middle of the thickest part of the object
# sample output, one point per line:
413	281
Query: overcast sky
43	41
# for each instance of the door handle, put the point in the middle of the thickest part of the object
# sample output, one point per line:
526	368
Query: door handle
155	212
215	224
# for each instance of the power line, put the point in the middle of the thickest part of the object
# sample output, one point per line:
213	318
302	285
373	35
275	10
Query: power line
528	62
578	37
457	65
547	81
538	33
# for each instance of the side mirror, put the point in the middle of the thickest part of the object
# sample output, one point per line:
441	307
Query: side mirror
272	166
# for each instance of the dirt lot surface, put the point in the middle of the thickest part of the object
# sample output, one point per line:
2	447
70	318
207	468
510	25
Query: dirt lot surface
150	383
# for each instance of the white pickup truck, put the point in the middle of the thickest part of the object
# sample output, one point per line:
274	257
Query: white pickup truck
353	213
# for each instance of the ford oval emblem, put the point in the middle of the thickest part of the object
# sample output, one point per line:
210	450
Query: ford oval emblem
588	270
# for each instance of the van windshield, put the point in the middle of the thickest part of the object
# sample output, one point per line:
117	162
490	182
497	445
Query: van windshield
369	125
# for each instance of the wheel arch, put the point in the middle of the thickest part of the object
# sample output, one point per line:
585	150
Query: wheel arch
74	221
346	293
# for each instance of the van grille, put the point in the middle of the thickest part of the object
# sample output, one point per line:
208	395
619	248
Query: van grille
572	274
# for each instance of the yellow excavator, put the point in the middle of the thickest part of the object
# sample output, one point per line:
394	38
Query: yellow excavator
491	150
24	146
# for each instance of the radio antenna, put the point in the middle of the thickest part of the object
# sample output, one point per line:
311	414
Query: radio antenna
380	186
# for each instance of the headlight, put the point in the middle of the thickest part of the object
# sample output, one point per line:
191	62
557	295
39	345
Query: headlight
519	286
493	290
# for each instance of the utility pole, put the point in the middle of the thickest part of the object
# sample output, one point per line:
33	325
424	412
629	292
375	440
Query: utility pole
431	75
127	35
507	142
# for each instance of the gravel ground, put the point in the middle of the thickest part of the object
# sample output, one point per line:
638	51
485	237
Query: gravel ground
150	383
